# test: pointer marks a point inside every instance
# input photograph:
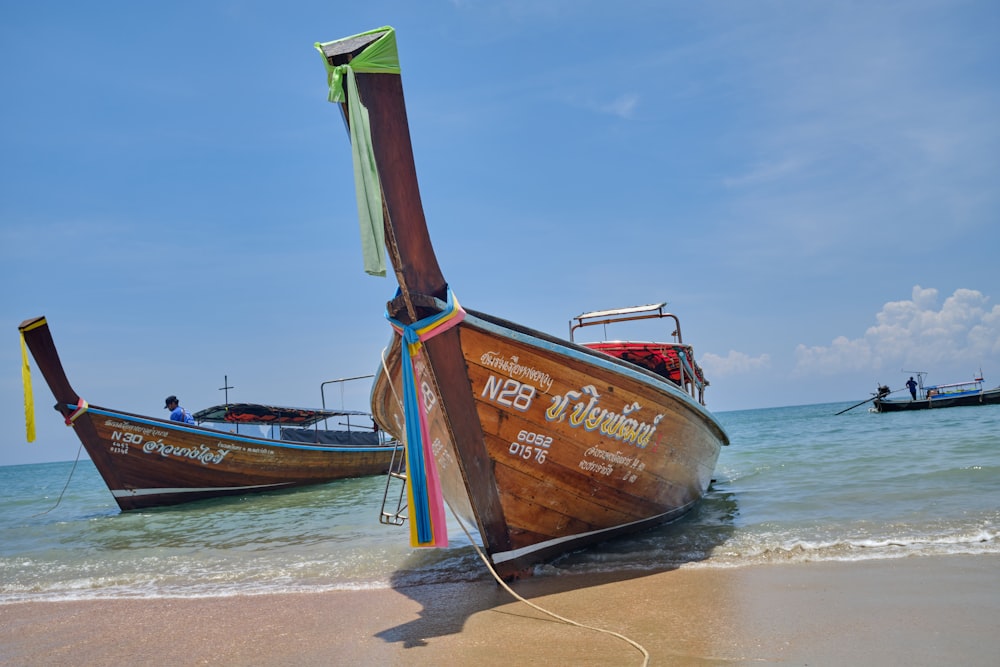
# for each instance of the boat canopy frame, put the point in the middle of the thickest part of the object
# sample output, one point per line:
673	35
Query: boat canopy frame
605	317
955	388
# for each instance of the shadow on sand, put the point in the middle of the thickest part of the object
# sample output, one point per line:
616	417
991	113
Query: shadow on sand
447	604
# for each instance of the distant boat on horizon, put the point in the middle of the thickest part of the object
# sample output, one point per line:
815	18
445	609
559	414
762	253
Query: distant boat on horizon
936	396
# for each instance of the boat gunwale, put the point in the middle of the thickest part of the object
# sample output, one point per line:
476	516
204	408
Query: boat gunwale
226	435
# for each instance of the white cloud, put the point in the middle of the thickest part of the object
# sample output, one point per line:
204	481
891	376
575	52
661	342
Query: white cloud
733	363
766	172
623	106
965	330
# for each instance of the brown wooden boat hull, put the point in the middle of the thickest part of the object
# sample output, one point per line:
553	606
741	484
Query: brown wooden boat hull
580	446
149	462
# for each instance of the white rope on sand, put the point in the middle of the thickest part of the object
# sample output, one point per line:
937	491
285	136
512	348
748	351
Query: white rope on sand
489	566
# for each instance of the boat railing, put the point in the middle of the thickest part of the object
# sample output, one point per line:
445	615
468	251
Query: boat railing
605	317
342	382
690	379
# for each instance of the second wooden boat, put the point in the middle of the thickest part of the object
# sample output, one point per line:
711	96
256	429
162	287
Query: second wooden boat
149	462
540	444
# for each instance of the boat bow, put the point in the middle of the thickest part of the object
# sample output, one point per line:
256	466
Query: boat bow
544	444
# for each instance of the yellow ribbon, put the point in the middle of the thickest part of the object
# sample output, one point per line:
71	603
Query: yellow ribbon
29	399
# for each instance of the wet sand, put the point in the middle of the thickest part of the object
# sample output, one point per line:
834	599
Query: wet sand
910	611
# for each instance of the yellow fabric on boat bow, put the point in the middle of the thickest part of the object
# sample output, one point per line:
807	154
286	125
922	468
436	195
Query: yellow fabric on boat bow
379	57
29	399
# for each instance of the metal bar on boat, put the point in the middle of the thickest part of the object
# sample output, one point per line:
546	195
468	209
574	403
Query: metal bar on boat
599	317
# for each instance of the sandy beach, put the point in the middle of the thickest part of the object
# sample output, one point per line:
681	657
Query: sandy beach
909	611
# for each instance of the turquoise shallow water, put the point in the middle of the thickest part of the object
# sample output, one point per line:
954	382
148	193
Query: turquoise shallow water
797	484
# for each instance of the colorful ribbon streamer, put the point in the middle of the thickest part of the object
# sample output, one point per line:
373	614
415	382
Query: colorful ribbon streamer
428	524
81	407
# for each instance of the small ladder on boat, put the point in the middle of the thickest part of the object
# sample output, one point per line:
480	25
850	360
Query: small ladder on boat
396	477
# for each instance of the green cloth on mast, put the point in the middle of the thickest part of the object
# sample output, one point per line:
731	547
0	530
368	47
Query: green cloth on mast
379	57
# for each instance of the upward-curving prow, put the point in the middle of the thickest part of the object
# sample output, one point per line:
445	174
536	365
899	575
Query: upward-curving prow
544	445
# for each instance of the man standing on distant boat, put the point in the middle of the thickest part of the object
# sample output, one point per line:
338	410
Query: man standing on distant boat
910	384
179	414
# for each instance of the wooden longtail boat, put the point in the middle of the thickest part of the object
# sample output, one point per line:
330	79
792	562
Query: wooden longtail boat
937	396
149	462
540	444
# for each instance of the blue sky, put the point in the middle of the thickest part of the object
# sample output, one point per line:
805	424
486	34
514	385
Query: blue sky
813	187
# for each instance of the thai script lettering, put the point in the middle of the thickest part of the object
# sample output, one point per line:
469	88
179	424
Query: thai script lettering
202	453
608	460
234	447
615	457
149	431
581	408
593	466
513	368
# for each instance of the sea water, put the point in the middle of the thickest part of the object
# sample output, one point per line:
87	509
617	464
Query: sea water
797	484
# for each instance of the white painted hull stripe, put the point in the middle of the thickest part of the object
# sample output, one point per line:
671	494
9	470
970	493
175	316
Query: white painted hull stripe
503	556
126	493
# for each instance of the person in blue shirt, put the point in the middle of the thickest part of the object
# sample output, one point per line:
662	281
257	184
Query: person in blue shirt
912	386
177	413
